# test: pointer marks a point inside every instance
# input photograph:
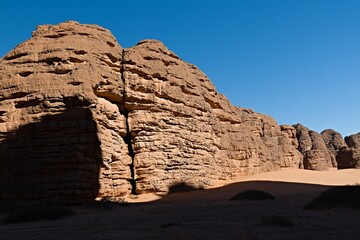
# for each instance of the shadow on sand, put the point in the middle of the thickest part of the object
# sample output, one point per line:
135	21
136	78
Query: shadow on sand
224	193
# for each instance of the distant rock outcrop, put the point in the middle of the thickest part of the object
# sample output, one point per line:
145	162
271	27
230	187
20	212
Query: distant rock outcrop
81	117
333	140
349	156
353	141
312	146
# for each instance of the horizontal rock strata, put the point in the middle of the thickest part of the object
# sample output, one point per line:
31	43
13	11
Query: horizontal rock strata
183	130
81	117
62	131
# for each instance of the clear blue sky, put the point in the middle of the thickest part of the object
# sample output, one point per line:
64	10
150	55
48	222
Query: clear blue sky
296	60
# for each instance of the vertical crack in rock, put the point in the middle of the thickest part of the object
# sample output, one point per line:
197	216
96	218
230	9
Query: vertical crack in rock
127	138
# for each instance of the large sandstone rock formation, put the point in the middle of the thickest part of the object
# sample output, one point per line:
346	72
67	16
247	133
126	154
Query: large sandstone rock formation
313	147
81	117
182	130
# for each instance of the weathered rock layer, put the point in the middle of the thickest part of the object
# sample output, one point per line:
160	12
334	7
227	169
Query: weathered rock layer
61	126
81	117
182	130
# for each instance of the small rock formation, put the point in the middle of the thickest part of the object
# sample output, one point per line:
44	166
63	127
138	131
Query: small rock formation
349	156
312	146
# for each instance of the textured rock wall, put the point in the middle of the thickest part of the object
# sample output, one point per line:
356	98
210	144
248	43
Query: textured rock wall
333	140
314	150
346	152
184	131
95	119
353	141
60	72
348	156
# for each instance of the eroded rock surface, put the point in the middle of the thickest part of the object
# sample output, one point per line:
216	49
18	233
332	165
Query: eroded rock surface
61	127
312	146
81	117
183	130
333	140
349	156
353	141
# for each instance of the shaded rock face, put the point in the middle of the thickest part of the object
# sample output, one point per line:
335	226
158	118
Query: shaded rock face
315	152
96	120
353	141
60	155
333	140
349	156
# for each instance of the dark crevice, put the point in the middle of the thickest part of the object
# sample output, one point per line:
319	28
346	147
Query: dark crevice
110	44
27	103
57	35
15	95
83	34
112	57
25	73
80	52
76	60
127	138
75	83
60	71
51	60
15	56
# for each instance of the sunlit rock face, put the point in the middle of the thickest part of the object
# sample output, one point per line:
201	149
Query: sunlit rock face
183	130
81	117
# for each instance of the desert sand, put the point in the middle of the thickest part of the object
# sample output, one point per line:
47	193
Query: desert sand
207	214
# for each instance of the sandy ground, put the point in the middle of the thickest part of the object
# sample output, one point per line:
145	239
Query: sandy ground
207	214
